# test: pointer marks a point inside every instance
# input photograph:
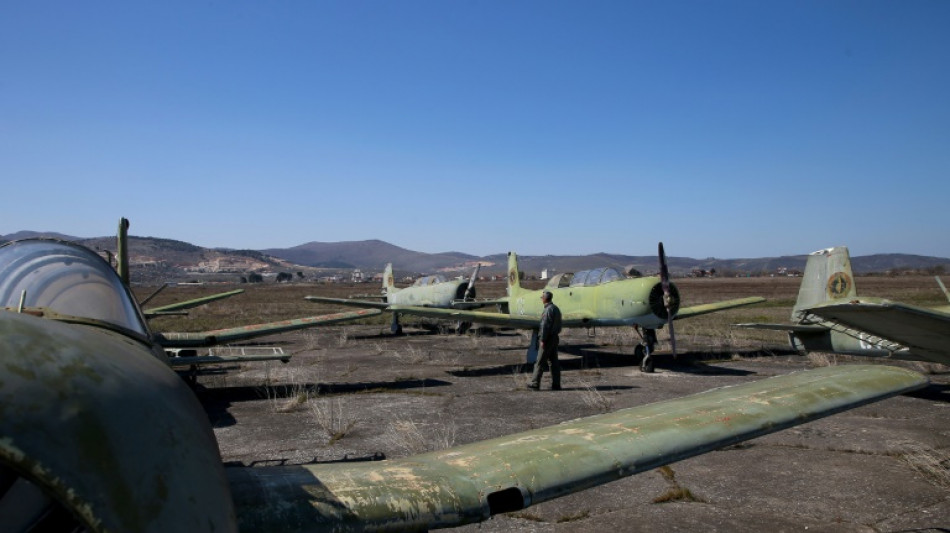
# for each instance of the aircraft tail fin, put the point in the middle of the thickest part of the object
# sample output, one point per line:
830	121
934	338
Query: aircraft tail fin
514	275
827	277
389	284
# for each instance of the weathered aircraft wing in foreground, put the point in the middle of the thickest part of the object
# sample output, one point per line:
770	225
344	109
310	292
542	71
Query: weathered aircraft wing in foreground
829	316
600	297
471	483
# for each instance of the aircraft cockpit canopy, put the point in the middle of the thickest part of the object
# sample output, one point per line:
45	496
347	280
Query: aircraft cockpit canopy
561	280
425	281
597	276
67	279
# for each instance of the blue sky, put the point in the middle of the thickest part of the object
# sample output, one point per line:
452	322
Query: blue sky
725	129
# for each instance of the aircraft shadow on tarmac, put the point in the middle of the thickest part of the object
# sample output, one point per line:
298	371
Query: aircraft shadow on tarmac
588	356
216	401
691	362
935	392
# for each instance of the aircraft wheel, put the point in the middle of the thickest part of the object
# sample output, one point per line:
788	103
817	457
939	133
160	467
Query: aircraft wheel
647	365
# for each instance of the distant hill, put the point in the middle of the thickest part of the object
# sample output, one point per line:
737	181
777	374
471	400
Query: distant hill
156	258
369	255
36	235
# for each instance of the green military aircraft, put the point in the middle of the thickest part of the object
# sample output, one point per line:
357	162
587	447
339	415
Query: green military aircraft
97	433
427	291
591	298
830	317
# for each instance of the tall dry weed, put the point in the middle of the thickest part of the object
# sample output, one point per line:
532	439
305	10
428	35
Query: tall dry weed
594	398
409	437
934	465
331	416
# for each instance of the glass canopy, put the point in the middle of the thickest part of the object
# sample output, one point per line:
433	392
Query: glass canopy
67	279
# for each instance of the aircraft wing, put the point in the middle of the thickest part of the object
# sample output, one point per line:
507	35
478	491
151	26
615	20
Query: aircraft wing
482	317
173	308
229	354
223	336
179	362
568	320
470	483
349	301
795	328
475	304
702	309
917	328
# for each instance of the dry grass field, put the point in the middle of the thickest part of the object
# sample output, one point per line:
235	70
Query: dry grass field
355	391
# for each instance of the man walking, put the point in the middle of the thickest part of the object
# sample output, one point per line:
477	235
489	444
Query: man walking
548	335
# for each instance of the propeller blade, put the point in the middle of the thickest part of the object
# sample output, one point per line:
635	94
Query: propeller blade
667	299
471	282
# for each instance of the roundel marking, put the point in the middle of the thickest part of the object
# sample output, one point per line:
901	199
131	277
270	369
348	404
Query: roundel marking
839	285
390	280
511	277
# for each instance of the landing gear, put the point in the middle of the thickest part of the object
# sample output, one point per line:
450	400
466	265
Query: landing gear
462	327
395	327
645	349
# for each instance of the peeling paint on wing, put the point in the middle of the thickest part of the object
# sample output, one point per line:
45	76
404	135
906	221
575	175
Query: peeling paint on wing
525	440
462	462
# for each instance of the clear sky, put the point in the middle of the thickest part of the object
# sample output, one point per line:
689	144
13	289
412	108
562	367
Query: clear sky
725	129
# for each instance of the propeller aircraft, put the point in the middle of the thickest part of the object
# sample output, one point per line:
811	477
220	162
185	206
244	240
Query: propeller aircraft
427	291
591	298
830	317
98	433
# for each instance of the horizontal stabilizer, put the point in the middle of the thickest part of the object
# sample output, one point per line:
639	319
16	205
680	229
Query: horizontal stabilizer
470	483
702	309
918	328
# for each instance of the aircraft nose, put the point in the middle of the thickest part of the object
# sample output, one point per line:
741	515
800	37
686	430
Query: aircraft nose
657	303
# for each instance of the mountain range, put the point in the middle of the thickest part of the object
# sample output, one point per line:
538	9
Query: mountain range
171	258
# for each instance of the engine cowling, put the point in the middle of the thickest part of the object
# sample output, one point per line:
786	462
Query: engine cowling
104	432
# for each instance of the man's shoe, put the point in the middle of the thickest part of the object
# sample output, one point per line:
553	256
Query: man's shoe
557	387
532	386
